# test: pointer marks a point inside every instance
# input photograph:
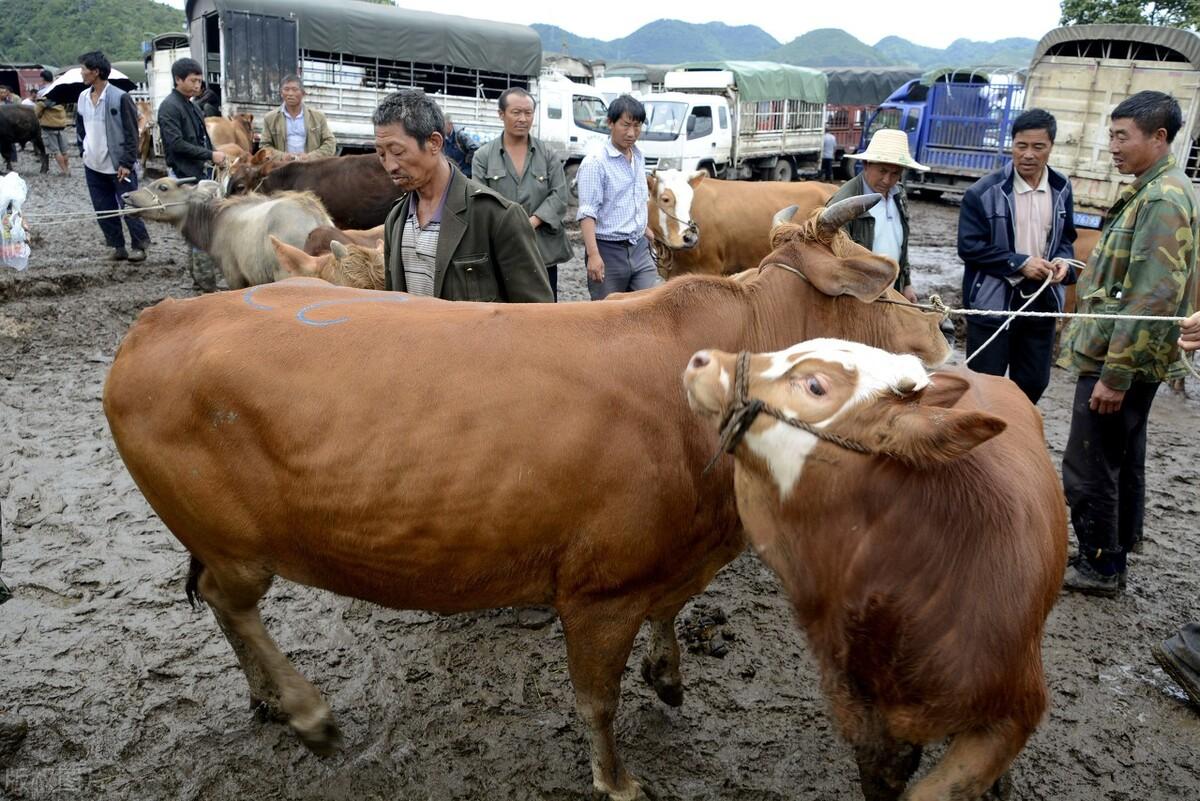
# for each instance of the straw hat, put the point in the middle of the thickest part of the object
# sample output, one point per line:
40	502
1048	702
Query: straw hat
889	146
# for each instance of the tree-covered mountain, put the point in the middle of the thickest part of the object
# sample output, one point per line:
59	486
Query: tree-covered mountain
829	47
58	31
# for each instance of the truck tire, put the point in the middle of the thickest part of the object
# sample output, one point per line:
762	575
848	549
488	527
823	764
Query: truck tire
783	171
845	169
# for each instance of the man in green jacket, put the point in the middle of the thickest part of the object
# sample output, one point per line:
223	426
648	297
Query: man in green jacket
1144	264
449	237
296	129
883	228
520	167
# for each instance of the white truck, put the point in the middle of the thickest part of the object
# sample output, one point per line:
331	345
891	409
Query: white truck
570	118
737	119
1080	73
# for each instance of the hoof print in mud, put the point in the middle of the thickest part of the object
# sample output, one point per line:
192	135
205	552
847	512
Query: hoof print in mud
705	630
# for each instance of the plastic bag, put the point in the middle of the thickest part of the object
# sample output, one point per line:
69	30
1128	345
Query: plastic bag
14	245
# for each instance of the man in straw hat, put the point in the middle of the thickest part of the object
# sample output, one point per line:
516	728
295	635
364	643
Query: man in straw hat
884	228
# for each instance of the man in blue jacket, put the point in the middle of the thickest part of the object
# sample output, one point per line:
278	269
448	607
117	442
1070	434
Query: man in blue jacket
1015	227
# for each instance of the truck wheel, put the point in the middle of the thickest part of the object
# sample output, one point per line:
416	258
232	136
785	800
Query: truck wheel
570	171
782	171
846	169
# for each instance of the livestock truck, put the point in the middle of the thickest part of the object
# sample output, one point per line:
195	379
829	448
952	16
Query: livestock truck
737	119
1080	73
853	95
958	124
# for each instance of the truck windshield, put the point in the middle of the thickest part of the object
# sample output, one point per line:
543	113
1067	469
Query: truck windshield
590	113
663	120
884	118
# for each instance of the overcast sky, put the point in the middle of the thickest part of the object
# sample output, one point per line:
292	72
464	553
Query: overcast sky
921	21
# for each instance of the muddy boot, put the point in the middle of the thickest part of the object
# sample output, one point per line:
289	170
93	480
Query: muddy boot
1180	658
204	275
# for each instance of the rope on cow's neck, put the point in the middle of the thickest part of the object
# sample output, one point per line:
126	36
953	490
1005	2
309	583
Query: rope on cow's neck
46	219
662	253
744	410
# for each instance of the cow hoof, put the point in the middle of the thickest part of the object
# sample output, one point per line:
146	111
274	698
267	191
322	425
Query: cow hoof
1002	790
668	690
267	711
634	793
324	739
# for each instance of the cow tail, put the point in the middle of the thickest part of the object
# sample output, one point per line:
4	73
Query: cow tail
192	588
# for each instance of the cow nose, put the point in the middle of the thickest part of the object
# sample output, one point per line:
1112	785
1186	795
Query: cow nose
689	239
700	360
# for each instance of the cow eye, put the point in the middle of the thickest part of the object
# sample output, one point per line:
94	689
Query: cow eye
814	385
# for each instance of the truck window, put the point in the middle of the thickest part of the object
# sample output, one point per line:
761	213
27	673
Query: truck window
724	116
912	121
885	118
664	121
554	112
590	113
700	122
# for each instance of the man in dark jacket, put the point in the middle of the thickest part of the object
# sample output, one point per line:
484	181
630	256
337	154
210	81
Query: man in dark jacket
449	237
184	137
1015	226
106	128
883	228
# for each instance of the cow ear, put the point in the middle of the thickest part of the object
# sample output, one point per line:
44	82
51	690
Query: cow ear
944	390
652	183
865	276
293	259
695	178
379	245
925	436
338	250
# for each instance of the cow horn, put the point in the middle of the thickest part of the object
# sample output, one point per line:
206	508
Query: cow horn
842	212
784	215
338	250
182	181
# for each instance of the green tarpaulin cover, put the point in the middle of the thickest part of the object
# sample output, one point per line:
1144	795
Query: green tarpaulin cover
765	80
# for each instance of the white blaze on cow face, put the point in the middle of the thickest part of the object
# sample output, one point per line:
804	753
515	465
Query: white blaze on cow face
817	381
671	196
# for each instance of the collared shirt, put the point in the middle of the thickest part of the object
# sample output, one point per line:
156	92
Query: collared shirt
95	135
1032	207
613	192
828	146
889	230
296	137
418	247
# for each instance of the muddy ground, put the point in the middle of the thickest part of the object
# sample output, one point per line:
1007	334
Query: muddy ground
131	694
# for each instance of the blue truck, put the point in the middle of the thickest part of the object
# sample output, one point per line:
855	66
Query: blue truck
958	123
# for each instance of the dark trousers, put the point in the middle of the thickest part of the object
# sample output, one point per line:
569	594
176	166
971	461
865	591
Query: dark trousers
1104	473
552	272
827	169
1024	351
106	193
628	267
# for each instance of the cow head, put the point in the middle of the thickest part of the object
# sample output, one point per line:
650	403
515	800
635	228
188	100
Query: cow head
845	392
345	264
167	199
247	123
670	208
832	263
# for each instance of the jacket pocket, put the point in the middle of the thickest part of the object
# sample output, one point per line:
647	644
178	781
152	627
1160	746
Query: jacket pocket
471	277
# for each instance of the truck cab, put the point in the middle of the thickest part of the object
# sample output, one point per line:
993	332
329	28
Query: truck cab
571	118
686	132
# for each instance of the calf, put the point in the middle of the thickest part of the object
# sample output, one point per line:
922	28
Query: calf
344	265
236	130
234	231
919	528
356	190
19	125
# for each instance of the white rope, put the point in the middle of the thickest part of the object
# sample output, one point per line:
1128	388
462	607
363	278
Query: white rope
63	218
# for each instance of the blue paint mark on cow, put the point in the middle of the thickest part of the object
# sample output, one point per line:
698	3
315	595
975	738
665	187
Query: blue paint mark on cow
248	296
302	315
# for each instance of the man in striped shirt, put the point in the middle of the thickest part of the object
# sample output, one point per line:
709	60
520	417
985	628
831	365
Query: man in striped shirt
612	207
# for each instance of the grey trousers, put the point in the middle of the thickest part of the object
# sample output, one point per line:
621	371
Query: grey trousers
628	267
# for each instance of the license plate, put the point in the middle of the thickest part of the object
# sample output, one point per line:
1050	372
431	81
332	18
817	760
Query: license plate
1084	220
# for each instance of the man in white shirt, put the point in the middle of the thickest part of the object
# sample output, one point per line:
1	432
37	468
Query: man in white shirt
828	149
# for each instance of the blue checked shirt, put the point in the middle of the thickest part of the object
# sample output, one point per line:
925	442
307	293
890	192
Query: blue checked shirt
613	192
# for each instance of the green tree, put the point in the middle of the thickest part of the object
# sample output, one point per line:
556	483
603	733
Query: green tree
58	31
1177	13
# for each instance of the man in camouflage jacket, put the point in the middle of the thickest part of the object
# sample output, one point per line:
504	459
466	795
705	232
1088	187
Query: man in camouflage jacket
1144	265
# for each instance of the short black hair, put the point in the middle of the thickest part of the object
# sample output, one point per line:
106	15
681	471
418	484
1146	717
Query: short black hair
626	105
1150	111
1036	119
47	76
292	79
98	62
413	109
514	90
183	68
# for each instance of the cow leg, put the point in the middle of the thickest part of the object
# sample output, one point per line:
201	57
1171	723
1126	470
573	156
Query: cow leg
234	592
974	763
264	695
885	765
599	638
660	665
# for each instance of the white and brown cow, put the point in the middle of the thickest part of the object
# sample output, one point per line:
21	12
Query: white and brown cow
460	456
920	530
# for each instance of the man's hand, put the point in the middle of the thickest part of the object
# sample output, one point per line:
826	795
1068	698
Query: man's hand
595	267
1105	399
535	221
218	157
1060	271
1189	333
122	173
288	157
1036	268
910	294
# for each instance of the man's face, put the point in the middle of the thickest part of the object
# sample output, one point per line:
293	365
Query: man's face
517	115
409	165
292	95
625	132
1134	152
1030	152
89	75
5	93
189	86
882	177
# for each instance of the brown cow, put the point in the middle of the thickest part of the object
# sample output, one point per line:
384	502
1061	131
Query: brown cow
499	476
320	239
713	227
236	130
922	569
345	265
145	127
356	190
